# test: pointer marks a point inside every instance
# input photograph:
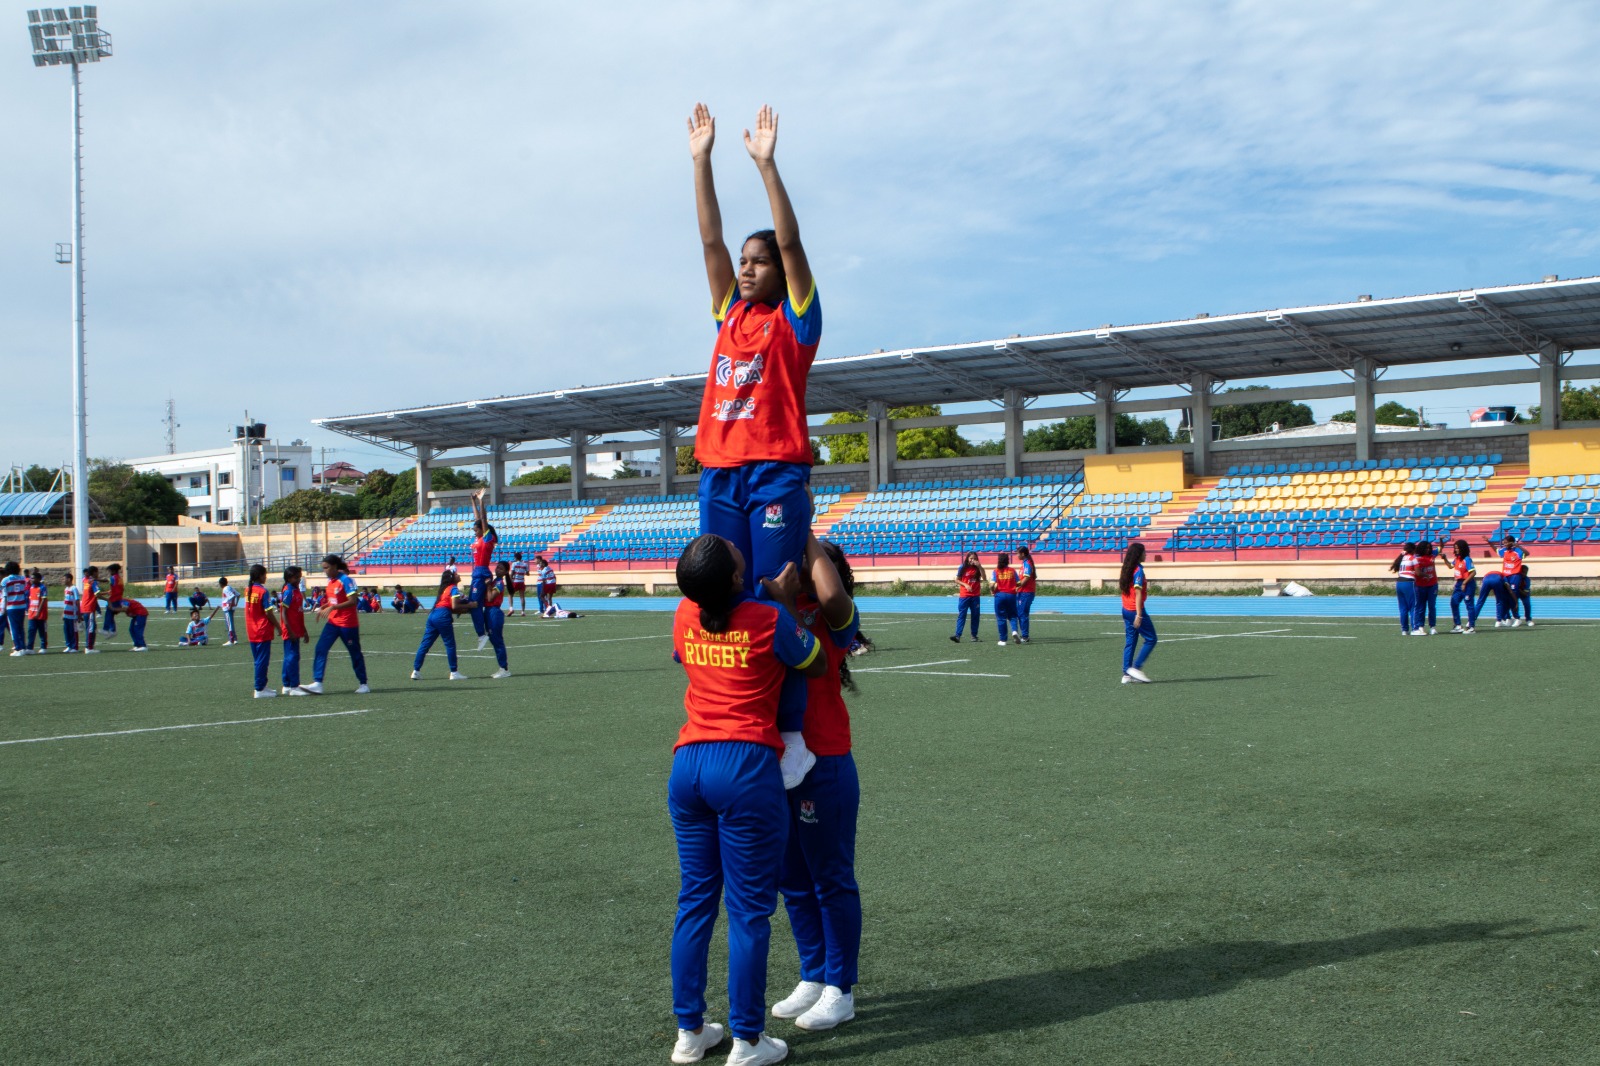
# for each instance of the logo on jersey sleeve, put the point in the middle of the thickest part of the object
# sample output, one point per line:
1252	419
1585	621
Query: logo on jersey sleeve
774	517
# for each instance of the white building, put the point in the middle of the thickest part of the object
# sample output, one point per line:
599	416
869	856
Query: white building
646	462
230	485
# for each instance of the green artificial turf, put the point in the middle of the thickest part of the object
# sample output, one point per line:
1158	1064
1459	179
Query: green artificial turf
1320	842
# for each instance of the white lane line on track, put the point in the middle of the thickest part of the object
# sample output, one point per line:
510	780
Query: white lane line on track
192	725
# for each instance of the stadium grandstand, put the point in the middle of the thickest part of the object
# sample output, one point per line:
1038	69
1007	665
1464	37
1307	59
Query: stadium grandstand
1346	495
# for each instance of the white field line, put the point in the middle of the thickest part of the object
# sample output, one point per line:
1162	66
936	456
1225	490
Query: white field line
192	725
940	673
911	668
132	669
1275	634
541	644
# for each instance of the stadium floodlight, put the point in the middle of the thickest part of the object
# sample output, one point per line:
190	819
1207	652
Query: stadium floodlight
63	36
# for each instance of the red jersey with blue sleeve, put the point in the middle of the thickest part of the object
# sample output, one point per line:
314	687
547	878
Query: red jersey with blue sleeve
292	613
495	594
89	597
258	628
1427	575
1130	599
1005	582
38	603
970	580
1463	570
754	406
447	598
115	596
483	550
827	724
136	609
1511	562
1027	577
735	676
342	595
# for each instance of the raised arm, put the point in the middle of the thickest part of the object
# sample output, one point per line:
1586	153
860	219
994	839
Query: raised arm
480	520
719	264
761	146
837	606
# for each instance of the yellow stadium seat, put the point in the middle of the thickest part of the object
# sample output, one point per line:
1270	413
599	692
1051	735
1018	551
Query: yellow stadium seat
1388	475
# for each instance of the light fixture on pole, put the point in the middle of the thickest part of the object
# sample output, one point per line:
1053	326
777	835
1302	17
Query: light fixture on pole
63	36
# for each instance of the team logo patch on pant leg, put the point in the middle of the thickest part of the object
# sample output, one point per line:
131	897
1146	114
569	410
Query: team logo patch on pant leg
808	812
774	516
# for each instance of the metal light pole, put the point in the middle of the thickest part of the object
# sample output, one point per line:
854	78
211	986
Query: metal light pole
63	36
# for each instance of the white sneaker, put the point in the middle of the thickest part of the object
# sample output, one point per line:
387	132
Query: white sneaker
1516	623
802	999
1432	632
1001	643
1498	623
834	1008
296	692
91	651
1458	629
416	675
498	674
1126	680
692	1046
1138	675
315	688
765	1050
68	651
456	675
265	694
1419	633
362	689
483	642
19	653
796	762
1470	629
1530	623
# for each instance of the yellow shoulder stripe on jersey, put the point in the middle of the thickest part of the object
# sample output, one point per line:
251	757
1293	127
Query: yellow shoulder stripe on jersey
719	311
848	622
802	306
816	649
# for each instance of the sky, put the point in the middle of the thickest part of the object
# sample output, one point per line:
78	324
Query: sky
308	210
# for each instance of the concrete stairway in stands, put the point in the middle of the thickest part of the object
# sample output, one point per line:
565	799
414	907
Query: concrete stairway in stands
1493	502
585	523
1175	513
836	513
378	542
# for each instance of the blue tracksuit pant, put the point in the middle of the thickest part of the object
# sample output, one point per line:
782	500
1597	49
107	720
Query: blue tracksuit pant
351	636
819	872
1495	585
69	633
481	576
1463	593
261	651
1147	630
968	605
494	619
1024	608
136	630
441	625
1005	609
1405	593
731	819
291	663
1426	611
1517	595
17	622
765	509
38	627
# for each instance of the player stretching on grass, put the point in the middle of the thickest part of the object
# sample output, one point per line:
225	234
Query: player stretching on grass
343	625
819	868
1135	619
752	439
726	793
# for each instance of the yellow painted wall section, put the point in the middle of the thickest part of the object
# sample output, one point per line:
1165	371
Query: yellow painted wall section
1563	451
1134	472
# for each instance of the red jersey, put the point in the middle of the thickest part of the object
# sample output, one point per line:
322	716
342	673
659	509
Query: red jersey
116	594
89	599
1427	574
1130	599
827	724
1511	562
342	594
38	603
1463	569
258	627
970	580
446	599
292	613
1027	578
172	582
754	406
135	609
735	676
495	594
1005	582
483	551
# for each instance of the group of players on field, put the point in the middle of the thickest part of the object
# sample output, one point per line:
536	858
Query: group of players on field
1416	586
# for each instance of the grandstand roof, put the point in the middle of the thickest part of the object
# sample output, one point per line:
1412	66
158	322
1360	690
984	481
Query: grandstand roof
1440	327
29	504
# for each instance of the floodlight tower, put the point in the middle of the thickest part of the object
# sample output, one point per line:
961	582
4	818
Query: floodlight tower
73	36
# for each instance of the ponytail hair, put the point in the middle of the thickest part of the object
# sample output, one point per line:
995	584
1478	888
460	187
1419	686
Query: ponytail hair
258	575
1002	561
705	575
1132	556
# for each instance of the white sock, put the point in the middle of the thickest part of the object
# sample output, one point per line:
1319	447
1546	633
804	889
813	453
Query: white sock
795	740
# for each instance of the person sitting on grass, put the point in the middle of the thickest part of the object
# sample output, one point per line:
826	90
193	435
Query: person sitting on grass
194	634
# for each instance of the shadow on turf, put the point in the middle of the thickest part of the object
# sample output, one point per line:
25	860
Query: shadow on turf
1198	680
1030	1001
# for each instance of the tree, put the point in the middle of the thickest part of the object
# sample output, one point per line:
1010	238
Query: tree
311	505
989	447
38	479
932	442
686	462
626	471
385	494
129	498
545	475
1392	413
1244	419
1577	405
448	479
1077	434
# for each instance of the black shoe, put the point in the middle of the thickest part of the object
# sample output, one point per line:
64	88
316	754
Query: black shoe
955	640
974	638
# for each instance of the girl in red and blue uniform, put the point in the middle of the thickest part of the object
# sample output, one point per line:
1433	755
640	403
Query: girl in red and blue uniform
1135	619
138	616
1425	616
115	599
1524	595
1005	596
1027	582
1498	583
260	627
1404	569
752	440
38	612
969	595
338	605
725	794
292	624
441	624
494	616
819	869
1466	587
483	545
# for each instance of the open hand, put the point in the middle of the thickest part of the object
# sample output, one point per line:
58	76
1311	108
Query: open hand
702	132
785	587
761	144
